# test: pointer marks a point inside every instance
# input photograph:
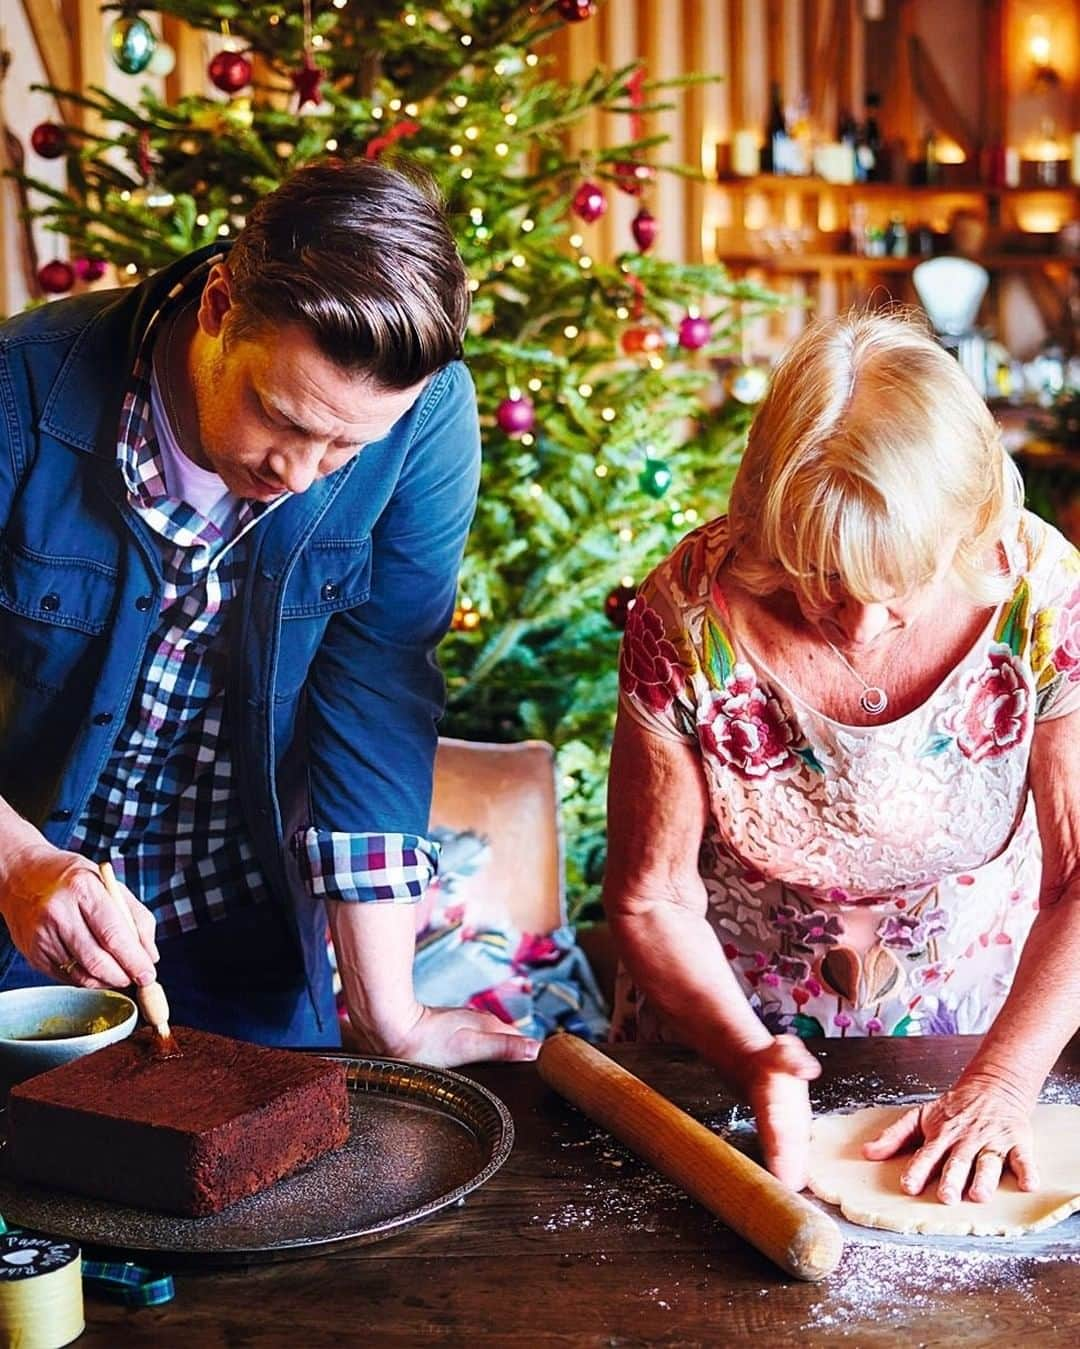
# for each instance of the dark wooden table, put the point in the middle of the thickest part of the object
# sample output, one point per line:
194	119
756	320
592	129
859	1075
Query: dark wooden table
575	1242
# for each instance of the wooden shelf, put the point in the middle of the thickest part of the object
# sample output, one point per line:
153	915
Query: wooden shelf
851	262
769	182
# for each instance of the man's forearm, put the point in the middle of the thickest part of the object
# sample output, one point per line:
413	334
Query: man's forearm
16	836
1042	1011
375	944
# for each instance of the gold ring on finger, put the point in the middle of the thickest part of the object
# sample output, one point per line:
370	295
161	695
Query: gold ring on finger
67	968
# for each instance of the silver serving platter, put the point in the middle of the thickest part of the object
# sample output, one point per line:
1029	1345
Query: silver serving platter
421	1140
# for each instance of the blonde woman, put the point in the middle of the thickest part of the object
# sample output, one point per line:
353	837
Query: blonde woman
849	727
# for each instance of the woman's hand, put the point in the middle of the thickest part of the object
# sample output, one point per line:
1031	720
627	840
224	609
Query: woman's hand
774	1084
446	1036
65	923
971	1132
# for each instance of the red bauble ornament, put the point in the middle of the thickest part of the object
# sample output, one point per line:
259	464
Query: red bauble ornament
694	332
642	341
589	202
575	11
307	81
90	269
56	277
631	177
516	415
49	140
230	71
617	605
644	228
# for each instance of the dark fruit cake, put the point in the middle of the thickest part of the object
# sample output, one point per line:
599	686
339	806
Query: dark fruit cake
186	1135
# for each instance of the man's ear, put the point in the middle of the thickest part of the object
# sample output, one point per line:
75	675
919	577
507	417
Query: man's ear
216	300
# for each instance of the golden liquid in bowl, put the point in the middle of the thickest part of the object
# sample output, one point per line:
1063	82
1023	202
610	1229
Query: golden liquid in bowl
64	1028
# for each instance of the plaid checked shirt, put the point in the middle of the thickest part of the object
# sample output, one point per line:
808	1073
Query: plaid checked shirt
166	810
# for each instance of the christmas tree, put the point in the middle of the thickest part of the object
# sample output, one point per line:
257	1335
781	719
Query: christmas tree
605	438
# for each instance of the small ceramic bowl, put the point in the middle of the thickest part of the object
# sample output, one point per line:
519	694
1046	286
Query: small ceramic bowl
40	1028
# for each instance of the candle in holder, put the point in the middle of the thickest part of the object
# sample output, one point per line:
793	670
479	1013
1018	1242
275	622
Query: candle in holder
1074	172
745	154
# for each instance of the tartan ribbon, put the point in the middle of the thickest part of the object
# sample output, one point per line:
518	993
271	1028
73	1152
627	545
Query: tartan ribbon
138	1287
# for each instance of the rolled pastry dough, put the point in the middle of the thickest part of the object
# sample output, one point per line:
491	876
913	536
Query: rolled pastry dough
869	1192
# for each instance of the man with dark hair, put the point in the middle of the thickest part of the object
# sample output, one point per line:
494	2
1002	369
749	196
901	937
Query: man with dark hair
233	503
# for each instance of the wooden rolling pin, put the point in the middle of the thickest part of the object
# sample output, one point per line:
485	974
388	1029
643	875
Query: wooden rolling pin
780	1223
151	997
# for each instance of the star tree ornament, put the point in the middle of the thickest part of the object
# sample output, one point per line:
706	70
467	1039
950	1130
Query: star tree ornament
307	81
49	140
618	603
132	43
589	202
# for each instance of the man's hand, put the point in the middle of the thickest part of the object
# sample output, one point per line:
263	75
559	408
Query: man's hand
774	1082
63	920
970	1132
446	1036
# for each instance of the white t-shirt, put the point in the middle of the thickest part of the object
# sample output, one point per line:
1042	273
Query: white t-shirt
185	480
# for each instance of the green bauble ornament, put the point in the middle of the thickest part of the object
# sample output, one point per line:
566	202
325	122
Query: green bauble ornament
132	43
655	478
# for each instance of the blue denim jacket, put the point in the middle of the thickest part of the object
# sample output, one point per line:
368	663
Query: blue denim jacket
333	692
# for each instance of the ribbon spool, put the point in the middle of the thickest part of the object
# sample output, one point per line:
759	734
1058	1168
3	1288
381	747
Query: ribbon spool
41	1303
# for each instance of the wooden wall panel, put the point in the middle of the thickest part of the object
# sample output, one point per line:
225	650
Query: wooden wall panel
661	31
617	26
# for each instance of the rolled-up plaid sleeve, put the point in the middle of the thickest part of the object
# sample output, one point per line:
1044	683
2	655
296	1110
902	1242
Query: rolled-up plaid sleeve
365	868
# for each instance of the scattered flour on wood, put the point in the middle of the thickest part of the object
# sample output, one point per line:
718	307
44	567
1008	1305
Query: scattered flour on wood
885	1283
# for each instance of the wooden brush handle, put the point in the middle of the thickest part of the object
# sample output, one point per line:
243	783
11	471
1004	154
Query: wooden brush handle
781	1224
151	997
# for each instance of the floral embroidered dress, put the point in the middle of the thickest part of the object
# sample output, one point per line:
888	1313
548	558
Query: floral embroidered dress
862	880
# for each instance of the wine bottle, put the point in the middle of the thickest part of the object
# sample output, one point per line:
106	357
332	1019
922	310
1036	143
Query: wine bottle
774	157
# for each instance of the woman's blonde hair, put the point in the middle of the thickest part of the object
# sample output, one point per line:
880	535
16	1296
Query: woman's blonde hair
871	451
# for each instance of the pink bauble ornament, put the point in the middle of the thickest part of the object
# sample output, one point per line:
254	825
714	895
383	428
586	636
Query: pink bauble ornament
56	277
90	269
49	140
589	202
230	71
644	228
694	331
516	415
575	11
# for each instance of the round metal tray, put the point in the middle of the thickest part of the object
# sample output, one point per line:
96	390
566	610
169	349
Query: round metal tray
421	1139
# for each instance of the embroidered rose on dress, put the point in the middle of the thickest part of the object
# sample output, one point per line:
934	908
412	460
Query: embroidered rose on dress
746	728
1066	655
651	670
996	709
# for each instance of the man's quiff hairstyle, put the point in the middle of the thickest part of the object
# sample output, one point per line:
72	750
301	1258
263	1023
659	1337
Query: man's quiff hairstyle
361	255
871	452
